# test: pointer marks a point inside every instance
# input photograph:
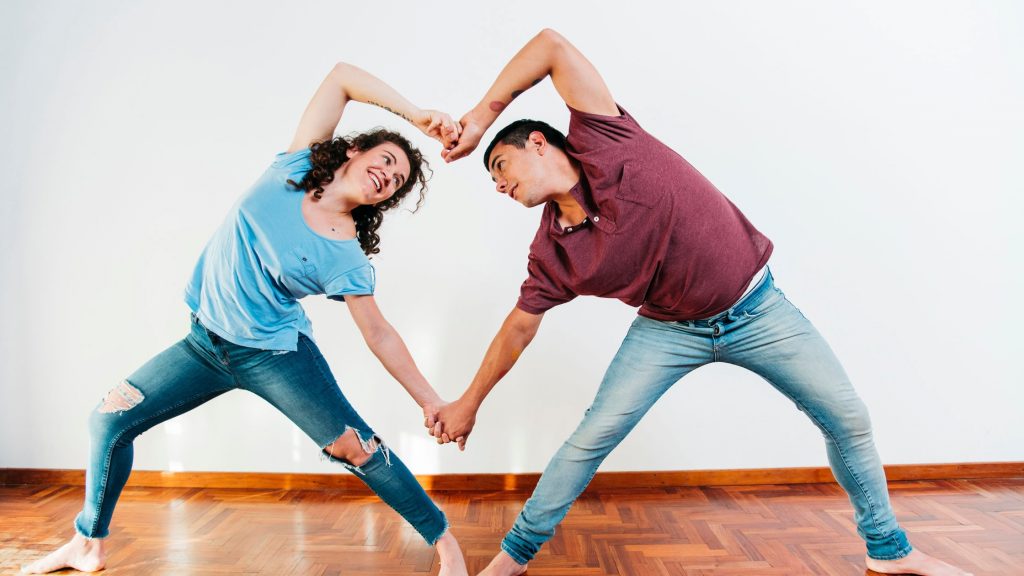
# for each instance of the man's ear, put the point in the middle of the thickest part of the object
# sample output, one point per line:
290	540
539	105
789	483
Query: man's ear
538	142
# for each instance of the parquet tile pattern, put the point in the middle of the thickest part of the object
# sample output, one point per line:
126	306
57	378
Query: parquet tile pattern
780	530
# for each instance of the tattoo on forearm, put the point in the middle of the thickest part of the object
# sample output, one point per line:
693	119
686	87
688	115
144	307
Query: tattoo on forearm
395	112
498	105
516	93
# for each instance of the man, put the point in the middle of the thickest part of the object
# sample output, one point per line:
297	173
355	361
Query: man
626	217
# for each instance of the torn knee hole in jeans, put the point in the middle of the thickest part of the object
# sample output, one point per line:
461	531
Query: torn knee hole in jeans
121	398
370	446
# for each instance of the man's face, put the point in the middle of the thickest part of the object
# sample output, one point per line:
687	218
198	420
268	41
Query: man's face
521	173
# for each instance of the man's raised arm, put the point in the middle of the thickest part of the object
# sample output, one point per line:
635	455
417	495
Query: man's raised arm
547	54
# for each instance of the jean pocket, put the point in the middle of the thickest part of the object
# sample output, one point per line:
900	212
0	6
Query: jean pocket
772	300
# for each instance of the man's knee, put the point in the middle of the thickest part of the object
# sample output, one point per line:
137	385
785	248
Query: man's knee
600	433
853	421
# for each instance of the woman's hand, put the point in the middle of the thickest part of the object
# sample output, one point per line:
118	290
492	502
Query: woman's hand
452	422
440	127
430	411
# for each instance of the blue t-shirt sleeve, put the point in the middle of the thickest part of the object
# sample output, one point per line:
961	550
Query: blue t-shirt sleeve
293	165
360	281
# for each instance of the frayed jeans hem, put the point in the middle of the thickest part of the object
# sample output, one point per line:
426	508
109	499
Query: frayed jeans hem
444	530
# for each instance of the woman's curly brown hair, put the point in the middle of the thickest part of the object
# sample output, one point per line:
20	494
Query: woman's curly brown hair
329	155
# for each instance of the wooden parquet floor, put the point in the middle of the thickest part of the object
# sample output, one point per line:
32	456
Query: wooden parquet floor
721	531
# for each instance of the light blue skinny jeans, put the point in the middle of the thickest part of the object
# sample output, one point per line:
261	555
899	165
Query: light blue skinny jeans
763	333
203	366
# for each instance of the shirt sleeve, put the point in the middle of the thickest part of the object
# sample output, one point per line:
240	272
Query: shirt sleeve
596	134
293	165
541	292
610	149
360	281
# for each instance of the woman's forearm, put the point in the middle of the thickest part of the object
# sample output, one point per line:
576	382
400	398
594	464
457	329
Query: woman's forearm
390	349
361	86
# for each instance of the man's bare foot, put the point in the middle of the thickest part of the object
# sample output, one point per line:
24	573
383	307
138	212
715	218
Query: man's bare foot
452	563
503	565
915	563
81	553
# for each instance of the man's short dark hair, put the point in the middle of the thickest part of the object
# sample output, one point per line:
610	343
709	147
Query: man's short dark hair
518	134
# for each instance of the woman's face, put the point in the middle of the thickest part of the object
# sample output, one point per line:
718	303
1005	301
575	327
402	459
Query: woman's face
374	175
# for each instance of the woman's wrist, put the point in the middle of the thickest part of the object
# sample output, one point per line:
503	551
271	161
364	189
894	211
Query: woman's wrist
418	117
426	398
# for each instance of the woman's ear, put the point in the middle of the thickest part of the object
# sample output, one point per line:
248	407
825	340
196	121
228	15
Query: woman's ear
352	152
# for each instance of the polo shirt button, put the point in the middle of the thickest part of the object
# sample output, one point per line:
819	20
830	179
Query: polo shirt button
597	218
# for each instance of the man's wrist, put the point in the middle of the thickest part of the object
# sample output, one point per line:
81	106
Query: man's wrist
482	116
472	399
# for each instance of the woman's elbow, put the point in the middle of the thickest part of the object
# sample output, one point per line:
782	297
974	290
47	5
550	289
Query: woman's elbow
550	36
340	73
378	335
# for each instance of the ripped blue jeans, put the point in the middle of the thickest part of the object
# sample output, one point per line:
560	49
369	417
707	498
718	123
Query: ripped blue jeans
203	366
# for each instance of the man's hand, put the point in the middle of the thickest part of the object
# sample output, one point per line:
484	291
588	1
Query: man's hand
452	423
440	127
471	131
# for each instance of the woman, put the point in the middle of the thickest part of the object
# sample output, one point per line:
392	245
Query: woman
306	227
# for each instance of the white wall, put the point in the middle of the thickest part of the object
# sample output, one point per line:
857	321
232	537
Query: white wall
878	144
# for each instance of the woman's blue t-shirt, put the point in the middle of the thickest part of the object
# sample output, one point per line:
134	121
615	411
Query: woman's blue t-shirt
264	258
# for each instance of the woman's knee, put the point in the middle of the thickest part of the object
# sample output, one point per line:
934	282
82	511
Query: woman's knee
349	447
108	418
121	398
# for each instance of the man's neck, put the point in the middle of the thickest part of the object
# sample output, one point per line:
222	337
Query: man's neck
570	213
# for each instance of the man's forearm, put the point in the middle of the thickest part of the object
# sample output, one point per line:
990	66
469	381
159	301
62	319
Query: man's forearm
501	356
527	68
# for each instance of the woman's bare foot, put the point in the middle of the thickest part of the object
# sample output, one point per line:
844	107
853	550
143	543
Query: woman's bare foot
452	563
915	563
81	553
503	565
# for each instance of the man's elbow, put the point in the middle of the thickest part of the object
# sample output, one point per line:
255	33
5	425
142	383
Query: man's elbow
523	326
555	46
